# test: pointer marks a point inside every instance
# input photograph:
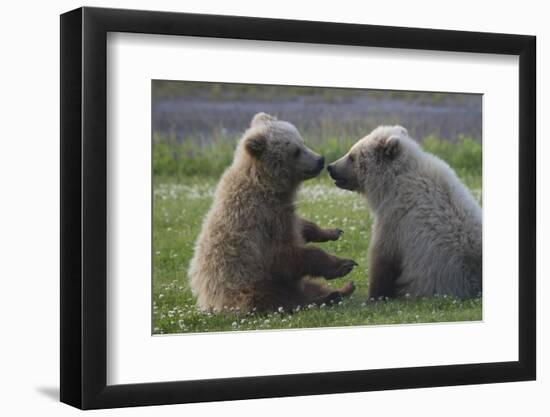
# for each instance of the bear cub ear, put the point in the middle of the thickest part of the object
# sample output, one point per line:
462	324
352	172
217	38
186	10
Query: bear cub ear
402	130
256	143
390	146
262	118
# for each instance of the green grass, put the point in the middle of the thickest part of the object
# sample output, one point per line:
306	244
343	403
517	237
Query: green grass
174	159
182	196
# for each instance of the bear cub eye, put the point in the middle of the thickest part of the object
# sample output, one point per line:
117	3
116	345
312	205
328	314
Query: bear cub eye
297	153
351	158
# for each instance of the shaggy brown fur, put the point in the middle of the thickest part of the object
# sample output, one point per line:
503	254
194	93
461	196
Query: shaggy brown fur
252	252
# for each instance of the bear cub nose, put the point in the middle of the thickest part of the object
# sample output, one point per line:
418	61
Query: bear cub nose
321	162
329	169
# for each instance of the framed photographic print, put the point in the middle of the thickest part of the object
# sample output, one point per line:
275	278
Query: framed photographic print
256	208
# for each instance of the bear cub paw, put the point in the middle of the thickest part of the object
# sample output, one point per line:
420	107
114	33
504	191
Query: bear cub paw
348	289
334	234
341	268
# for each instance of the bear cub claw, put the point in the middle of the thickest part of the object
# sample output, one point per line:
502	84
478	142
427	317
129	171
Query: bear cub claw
344	292
348	289
341	268
335	234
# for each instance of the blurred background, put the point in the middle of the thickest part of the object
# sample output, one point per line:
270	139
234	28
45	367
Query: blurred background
196	125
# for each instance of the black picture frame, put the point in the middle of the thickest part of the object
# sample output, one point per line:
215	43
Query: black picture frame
84	207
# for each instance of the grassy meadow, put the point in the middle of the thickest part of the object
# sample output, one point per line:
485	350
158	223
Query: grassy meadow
185	176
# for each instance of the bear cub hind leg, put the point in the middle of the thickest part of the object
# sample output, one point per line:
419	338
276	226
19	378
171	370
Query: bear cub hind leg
317	293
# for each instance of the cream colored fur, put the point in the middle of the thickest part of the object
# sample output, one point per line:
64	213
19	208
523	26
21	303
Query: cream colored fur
425	220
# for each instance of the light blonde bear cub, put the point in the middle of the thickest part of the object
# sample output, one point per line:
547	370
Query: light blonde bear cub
426	237
251	252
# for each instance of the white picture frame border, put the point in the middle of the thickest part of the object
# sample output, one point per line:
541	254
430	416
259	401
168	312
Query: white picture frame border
134	355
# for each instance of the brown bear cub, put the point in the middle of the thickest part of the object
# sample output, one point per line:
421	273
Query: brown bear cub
251	253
